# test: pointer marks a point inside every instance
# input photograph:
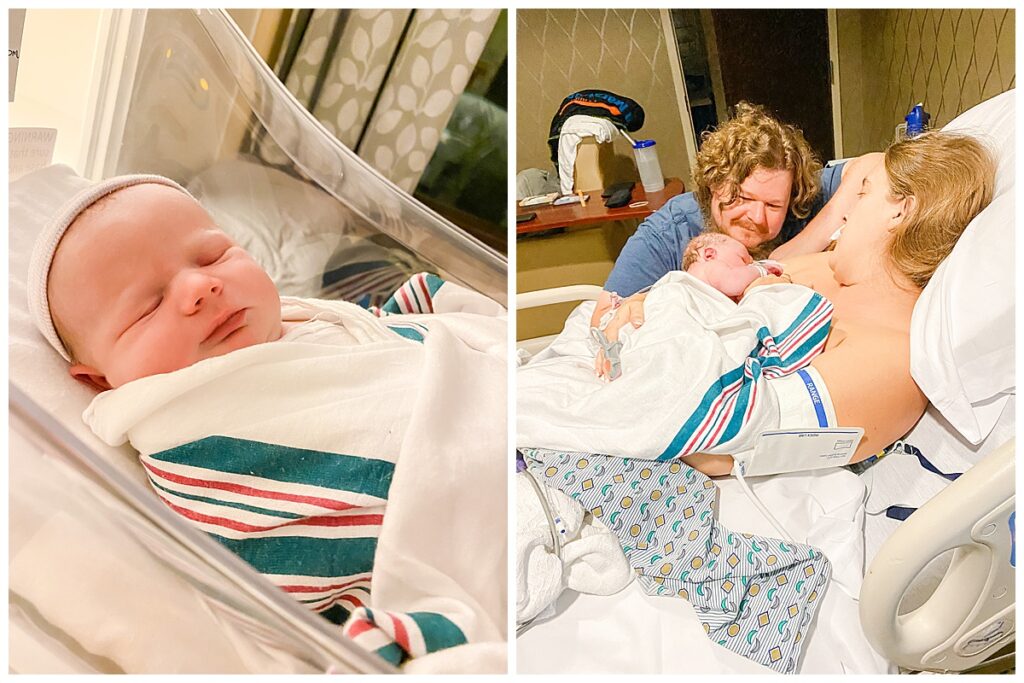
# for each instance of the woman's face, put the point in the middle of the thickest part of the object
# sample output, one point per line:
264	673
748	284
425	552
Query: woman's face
867	226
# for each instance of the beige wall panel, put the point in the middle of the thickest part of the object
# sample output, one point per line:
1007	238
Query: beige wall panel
624	51
951	59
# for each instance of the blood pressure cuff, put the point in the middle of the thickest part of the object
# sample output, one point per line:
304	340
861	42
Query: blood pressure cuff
754	595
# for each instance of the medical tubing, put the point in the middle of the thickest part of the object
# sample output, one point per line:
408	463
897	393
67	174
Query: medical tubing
737	470
555	540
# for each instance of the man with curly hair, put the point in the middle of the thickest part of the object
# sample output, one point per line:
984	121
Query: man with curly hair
756	180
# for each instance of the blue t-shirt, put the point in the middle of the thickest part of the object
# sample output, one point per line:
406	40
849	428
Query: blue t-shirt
658	243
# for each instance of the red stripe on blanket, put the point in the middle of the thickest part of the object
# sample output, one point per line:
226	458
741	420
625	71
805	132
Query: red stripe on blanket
401	634
728	409
359	627
248	490
357	520
811	324
405	298
712	416
295	588
354	603
421	280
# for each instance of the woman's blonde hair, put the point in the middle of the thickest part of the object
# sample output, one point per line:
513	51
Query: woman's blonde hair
753	139
951	178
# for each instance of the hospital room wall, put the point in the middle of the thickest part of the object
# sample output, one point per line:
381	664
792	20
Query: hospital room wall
62	89
624	51
49	79
889	60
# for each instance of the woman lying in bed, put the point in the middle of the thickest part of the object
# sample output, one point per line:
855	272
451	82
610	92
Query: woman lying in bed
912	207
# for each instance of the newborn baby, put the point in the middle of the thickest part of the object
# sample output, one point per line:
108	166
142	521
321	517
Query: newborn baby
288	428
713	258
143	282
723	262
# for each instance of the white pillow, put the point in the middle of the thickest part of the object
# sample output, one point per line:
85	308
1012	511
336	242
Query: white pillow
962	330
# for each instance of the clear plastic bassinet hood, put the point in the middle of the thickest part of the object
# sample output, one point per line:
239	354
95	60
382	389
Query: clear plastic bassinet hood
200	105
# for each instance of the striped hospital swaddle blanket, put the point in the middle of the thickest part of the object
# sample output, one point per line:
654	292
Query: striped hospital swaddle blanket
307	520
695	376
292	455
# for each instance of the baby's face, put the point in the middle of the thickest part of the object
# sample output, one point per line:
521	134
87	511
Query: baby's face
147	284
728	251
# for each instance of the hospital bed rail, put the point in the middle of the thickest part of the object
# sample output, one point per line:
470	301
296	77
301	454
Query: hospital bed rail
236	600
970	614
547	297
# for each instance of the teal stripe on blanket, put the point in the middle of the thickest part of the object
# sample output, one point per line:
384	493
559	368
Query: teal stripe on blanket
407	332
391	653
225	503
433	283
800	318
284	464
303	556
438	631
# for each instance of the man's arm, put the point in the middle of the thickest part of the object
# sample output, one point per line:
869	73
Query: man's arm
818	232
653	250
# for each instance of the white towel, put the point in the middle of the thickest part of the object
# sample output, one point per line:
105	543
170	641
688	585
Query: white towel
592	560
573	131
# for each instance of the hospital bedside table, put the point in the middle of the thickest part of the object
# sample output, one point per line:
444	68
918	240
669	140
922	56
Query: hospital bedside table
595	212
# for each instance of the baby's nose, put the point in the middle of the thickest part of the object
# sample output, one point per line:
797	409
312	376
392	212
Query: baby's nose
199	289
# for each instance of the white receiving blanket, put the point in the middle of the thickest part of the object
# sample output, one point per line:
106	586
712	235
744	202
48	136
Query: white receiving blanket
435	409
695	376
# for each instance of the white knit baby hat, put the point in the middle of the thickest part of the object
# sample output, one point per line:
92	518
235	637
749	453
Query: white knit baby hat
49	238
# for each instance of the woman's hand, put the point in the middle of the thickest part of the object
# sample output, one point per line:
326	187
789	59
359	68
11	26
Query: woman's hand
631	312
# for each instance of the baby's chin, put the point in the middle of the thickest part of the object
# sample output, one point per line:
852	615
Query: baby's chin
240	339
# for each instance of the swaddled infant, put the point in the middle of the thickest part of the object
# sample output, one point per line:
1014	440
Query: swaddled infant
713	258
724	263
288	453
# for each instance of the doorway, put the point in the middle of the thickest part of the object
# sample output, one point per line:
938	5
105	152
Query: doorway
776	58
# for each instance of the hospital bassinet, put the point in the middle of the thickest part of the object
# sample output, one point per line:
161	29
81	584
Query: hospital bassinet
103	578
938	593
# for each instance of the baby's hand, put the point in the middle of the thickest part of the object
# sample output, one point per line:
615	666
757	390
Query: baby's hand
768	280
773	267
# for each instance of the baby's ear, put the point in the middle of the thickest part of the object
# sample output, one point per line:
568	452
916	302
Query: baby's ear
709	253
90	377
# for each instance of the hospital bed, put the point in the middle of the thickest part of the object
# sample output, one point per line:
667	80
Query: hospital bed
102	577
938	590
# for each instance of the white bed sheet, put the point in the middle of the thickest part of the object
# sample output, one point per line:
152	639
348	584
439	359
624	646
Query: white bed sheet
944	447
631	632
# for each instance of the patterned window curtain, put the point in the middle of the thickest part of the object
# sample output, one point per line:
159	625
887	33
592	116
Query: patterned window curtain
385	82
